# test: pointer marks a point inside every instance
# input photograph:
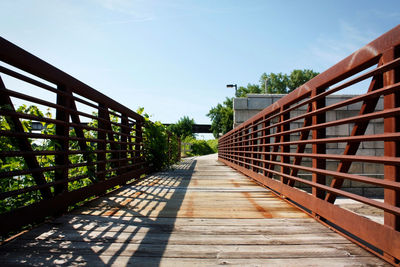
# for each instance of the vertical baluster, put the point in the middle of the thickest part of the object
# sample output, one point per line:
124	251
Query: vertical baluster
254	149
139	148
247	149
169	147
266	149
235	145
284	138
391	148
101	146
124	130
61	160
179	149
319	148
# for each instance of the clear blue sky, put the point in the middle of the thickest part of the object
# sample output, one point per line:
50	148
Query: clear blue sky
174	58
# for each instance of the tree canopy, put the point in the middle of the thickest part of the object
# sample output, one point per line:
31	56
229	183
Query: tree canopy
279	83
221	117
183	128
250	89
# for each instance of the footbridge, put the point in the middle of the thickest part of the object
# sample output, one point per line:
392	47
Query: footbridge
114	190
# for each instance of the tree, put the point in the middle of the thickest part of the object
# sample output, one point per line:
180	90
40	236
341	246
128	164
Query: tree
221	117
183	128
250	89
300	77
279	83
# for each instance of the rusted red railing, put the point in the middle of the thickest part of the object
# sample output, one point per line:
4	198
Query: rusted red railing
273	146
90	143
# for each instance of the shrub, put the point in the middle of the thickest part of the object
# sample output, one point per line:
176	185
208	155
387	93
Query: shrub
156	145
201	147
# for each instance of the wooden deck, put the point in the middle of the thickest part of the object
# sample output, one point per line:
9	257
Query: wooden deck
201	213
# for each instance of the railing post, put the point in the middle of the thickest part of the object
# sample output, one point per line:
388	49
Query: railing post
391	148
275	149
139	151
318	148
244	147
179	149
247	154
236	147
241	149
82	142
254	148
124	131
284	138
113	144
232	148
131	145
61	160
169	147
266	149
301	147
102	145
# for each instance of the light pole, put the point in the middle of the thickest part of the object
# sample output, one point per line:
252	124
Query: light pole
231	86
266	85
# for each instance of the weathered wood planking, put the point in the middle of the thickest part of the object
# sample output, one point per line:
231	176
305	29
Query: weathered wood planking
201	213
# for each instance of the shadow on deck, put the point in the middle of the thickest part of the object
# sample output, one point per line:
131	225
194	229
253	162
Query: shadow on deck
110	230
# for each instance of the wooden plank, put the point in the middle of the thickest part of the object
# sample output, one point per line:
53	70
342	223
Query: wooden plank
192	229
179	238
71	219
22	259
192	251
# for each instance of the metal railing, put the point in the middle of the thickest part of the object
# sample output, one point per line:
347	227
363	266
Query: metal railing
88	144
269	149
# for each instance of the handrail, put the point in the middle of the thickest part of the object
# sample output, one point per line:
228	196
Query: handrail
92	144
273	150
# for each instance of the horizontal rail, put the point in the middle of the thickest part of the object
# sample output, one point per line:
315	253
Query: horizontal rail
274	149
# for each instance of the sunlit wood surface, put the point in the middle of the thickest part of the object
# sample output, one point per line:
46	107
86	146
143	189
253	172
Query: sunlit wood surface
200	213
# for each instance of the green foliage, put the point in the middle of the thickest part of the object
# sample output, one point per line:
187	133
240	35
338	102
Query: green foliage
250	89
279	83
201	147
300	77
155	142
221	117
18	163
156	146
183	128
213	143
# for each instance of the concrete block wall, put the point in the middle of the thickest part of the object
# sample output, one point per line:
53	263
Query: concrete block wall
245	108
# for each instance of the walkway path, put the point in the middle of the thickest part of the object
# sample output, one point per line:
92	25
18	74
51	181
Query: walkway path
201	213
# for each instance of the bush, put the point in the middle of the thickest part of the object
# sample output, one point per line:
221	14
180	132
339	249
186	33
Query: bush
201	147
156	146
213	143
